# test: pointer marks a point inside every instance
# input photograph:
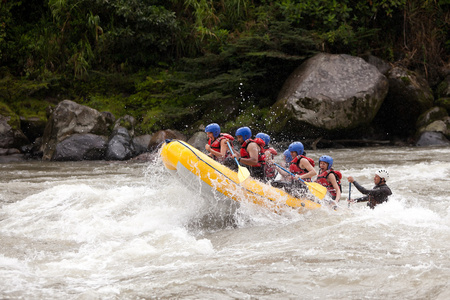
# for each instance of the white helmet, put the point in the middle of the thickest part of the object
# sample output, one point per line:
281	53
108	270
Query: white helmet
382	173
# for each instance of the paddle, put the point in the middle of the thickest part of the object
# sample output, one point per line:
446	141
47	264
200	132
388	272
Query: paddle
316	189
349	193
243	172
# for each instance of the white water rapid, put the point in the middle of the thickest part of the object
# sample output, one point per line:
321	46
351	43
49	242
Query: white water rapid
121	230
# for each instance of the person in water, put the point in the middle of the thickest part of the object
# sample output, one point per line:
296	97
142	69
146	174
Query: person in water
269	153
251	152
380	192
329	178
217	142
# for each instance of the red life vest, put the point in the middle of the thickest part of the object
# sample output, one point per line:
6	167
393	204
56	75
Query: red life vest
295	166
271	150
269	168
322	179
244	153
215	145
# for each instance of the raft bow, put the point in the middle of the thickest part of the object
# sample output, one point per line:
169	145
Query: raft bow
199	171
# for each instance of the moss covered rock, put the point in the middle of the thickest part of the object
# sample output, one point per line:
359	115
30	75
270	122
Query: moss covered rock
431	115
328	93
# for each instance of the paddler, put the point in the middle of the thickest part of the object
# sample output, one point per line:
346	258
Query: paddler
378	194
301	165
329	178
287	158
251	152
217	142
269	153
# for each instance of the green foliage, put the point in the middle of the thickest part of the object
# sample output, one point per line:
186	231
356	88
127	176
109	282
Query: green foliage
12	89
6	22
167	117
152	121
253	117
113	104
186	61
31	108
345	26
136	32
14	120
21	97
76	36
144	96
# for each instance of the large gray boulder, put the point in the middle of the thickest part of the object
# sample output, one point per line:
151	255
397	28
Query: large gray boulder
120	145
127	122
9	136
160	136
431	138
141	142
81	147
69	118
198	140
329	93
442	126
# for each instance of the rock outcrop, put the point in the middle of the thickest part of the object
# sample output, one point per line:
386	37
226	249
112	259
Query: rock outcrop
81	147
160	136
69	118
329	93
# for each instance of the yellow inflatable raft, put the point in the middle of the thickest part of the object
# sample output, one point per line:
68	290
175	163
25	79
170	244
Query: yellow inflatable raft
198	170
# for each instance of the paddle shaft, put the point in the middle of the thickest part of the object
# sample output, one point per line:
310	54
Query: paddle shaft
349	193
232	153
243	172
289	172
316	189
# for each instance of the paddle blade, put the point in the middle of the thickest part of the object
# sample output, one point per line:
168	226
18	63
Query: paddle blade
317	189
243	173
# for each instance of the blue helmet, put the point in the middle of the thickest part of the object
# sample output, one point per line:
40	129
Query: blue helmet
265	137
214	128
245	132
297	147
287	156
327	159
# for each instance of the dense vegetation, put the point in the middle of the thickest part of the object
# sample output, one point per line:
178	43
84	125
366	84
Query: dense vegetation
180	63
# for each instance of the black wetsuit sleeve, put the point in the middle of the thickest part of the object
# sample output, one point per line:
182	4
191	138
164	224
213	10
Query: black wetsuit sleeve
361	188
379	193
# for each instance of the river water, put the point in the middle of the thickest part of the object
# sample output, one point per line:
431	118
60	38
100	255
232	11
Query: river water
122	230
